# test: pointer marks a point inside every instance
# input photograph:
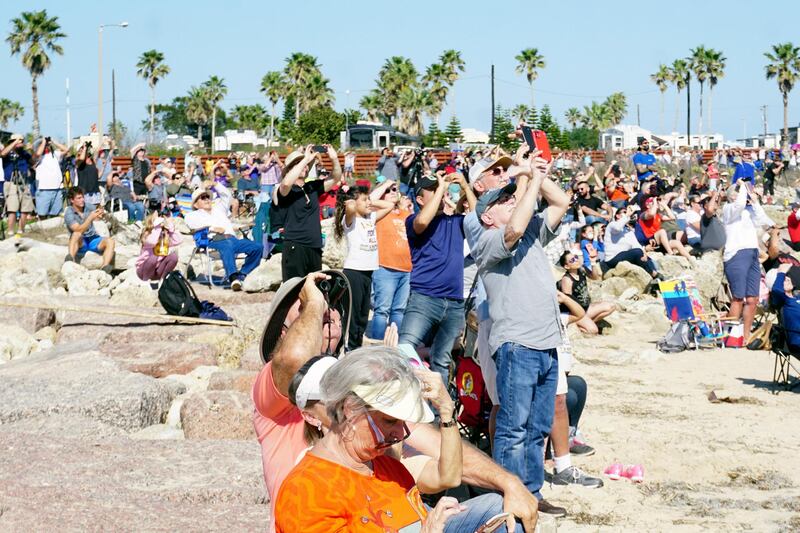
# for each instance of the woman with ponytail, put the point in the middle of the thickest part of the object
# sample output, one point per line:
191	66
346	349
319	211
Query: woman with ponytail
355	219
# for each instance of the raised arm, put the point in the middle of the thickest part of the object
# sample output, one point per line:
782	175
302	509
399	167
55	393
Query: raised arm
458	178
381	208
336	173
378	191
429	210
296	172
523	212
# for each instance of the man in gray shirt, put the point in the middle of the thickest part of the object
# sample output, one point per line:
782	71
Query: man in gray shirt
79	219
526	326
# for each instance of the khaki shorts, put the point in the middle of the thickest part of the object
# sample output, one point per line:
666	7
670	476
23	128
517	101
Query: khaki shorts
18	198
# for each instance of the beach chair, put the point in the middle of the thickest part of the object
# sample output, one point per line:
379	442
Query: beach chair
682	302
184	202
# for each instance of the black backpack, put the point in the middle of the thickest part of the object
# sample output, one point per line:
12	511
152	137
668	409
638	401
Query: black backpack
177	296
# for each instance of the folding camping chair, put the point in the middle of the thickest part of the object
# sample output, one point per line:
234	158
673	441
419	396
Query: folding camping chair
682	302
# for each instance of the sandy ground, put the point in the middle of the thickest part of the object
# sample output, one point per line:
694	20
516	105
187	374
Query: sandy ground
719	467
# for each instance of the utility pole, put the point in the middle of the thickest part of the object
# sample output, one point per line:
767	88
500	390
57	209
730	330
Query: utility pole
113	106
688	112
69	121
764	118
492	127
638	118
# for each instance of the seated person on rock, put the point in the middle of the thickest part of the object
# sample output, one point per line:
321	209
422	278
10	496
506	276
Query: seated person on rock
124	195
210	221
157	258
574	284
79	218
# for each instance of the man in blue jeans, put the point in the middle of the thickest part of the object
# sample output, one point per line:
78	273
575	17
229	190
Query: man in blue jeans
526	327
210	216
436	241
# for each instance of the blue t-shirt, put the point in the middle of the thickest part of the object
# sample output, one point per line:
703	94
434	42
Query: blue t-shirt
744	171
646	159
437	257
23	163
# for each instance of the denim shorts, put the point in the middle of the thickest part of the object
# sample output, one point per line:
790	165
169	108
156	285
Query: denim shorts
49	202
744	273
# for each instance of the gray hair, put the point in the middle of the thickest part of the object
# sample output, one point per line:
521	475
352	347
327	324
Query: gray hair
375	365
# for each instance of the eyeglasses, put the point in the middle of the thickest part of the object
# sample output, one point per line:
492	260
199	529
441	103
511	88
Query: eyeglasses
204	197
572	259
381	442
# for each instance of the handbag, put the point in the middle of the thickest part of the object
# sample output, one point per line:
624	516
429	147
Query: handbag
161	249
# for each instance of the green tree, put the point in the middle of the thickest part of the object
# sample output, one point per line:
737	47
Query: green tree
152	68
215	90
435	137
716	69
698	64
316	92
320	125
529	61
661	78
548	125
273	85
9	112
414	102
520	112
33	35
582	139
598	116
251	117
300	68
503	130
118	132
372	104
572	116
197	109
679	76
169	118
453	131
453	64
784	67
437	85
396	74
617	106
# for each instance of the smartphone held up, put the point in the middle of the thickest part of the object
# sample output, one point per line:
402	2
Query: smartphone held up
537	140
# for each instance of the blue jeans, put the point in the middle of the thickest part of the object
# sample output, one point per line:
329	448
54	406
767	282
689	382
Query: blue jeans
591	219
479	510
230	247
390	290
423	313
135	210
526	386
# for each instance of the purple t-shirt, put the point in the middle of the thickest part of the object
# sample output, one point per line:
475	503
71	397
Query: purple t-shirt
437	257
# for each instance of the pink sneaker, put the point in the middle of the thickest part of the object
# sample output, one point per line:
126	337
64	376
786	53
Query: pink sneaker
614	471
634	472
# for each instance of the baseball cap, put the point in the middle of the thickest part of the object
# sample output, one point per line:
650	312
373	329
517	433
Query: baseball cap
426	182
308	387
396	400
16	137
487	199
487	163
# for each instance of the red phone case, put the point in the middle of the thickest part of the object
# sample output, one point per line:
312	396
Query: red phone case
540	143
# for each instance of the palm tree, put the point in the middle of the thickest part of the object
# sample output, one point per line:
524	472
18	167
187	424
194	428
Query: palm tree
784	66
316	92
9	112
678	76
372	103
529	62
396	74
34	34
520	112
152	68
414	103
435	79
661	79
453	64
215	90
573	116
698	63
716	69
617	106
273	85
198	110
299	68
598	116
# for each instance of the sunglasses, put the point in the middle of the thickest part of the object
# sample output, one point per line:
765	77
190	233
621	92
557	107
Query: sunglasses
393	189
381	442
204	197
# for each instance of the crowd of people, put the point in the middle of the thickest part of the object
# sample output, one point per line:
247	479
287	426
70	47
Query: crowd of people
438	250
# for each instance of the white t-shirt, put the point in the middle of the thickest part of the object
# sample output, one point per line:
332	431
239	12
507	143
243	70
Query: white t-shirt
692	217
48	171
362	243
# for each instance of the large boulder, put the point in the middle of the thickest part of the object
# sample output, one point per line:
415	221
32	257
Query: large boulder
15	343
335	250
81	281
217	415
238	380
159	358
708	275
75	380
672	266
633	275
266	277
128	290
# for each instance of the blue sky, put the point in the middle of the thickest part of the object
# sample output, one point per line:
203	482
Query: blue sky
591	48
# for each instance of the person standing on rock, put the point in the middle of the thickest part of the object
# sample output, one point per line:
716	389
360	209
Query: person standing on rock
300	326
158	237
79	218
298	196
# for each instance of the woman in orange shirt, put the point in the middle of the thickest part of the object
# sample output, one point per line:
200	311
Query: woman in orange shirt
347	483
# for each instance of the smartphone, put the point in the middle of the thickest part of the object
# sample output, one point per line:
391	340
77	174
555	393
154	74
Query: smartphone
320	149
540	143
527	136
493	524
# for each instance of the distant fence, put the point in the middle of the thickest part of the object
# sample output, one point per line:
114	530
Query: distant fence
365	161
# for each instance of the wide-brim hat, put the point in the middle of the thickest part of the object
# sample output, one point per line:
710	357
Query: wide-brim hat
291	160
197	193
487	163
285	298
